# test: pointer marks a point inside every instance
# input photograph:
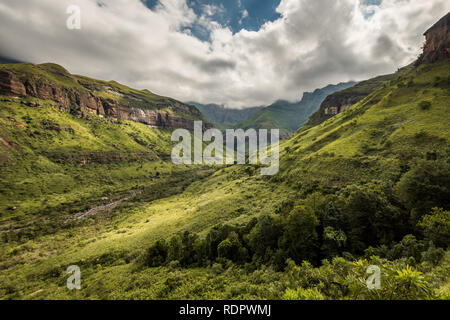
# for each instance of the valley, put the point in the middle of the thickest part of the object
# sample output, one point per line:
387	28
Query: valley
86	179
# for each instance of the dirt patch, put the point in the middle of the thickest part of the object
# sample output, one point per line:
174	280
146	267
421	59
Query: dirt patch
4	142
104	207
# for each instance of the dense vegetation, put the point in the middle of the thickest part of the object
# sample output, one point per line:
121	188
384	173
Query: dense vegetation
370	186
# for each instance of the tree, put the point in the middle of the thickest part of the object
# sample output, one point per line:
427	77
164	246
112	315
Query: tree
436	226
230	248
157	254
425	186
370	218
174	251
265	234
299	238
408	247
188	254
214	238
333	242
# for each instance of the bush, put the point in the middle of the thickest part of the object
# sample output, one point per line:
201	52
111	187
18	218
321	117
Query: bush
425	105
303	294
433	255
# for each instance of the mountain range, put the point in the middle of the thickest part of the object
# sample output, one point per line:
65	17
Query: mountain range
86	180
222	117
289	116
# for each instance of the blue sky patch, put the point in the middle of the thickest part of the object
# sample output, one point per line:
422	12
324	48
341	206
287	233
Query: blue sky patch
235	14
370	12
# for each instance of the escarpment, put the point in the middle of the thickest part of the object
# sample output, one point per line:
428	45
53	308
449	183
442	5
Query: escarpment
82	96
10	84
436	48
437	45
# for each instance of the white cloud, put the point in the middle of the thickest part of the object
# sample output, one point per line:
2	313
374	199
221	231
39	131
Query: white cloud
314	43
212	10
244	16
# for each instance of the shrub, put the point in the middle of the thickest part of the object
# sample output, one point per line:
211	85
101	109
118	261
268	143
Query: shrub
425	105
433	255
217	268
421	134
303	294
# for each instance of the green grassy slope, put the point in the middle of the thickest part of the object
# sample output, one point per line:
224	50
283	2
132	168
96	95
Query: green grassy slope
54	165
386	124
378	139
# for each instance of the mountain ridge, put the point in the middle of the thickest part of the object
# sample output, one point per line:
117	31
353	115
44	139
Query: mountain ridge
289	116
83	96
223	117
340	101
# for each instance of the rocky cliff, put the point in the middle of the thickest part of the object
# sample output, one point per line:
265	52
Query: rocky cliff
437	45
83	96
10	84
342	100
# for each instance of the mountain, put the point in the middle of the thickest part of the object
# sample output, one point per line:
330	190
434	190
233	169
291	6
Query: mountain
84	96
437	45
437	48
341	100
223	117
288	116
369	186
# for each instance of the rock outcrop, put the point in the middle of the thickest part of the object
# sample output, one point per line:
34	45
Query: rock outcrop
338	103
80	99
342	100
10	84
437	45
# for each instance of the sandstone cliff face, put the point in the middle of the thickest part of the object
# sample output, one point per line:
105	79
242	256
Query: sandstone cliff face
437	46
335	104
10	84
83	102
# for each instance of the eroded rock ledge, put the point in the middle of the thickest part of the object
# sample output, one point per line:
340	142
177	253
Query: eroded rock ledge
85	102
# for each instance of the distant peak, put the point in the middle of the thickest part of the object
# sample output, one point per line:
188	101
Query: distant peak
437	45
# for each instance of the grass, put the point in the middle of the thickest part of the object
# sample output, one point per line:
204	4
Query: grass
43	177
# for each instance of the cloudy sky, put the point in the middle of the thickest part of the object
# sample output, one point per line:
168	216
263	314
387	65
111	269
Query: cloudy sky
239	53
